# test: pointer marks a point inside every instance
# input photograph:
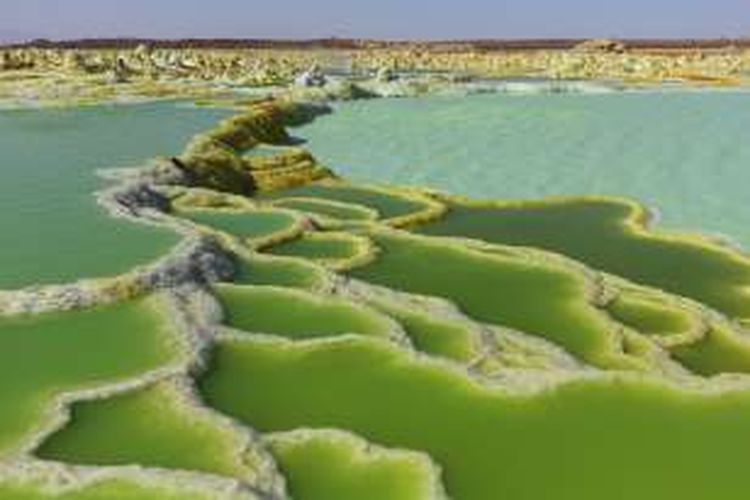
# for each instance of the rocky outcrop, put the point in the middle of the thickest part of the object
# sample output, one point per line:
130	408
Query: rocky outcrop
215	159
386	74
313	77
120	72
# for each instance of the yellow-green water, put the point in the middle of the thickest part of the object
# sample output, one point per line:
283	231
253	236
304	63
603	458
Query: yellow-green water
277	271
441	337
596	233
247	226
155	427
621	392
649	316
387	205
46	355
296	314
588	440
323	466
317	247
539	299
339	211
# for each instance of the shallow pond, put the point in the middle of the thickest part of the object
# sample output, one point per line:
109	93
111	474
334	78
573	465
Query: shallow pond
589	440
49	218
683	152
45	355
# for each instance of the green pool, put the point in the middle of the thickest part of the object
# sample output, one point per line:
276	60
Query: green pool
53	231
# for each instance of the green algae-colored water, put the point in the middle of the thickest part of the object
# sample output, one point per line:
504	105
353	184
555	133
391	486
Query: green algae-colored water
433	335
296	314
589	440
684	152
52	229
388	205
717	352
595	233
321	466
153	427
599	435
317	247
341	211
649	316
506	292
245	225
277	271
44	355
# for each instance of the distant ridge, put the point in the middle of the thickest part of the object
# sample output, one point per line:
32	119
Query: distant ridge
354	44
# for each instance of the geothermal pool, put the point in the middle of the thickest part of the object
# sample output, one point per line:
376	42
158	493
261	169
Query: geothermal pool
380	342
53	230
684	153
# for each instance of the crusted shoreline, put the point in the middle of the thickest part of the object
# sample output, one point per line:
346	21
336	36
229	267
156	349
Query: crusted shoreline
213	173
143	196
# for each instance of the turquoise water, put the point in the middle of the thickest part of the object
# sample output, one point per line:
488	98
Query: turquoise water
52	229
685	153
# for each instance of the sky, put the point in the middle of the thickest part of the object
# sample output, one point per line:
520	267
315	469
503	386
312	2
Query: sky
383	19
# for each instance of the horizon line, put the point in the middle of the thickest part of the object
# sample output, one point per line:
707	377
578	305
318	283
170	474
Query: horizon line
337	41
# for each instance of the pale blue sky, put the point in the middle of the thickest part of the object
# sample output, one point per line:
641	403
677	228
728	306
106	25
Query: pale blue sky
427	19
